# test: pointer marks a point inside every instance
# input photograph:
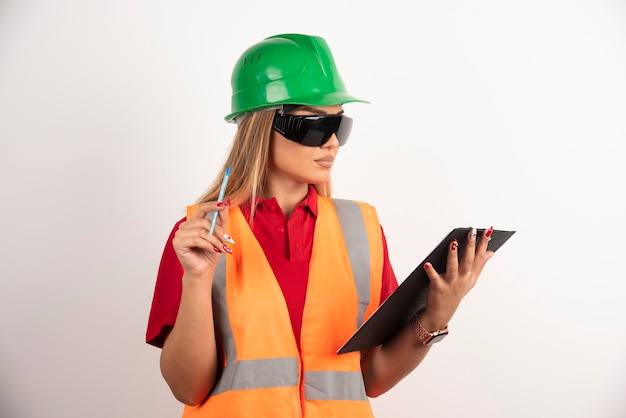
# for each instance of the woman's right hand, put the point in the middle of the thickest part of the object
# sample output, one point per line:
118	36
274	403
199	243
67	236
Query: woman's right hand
197	249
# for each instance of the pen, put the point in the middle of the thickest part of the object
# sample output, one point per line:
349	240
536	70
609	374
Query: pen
220	198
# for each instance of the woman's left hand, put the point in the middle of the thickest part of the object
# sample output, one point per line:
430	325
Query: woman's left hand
447	290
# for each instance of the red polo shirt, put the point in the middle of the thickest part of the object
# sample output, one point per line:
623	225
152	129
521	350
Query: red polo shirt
287	244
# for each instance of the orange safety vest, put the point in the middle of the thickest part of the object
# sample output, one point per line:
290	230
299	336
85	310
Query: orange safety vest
263	374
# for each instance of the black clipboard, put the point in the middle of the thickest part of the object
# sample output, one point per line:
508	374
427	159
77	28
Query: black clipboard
410	296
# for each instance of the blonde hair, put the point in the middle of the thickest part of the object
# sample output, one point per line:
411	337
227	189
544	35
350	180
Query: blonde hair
248	160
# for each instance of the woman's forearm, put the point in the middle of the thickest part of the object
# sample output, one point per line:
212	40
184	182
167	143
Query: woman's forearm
385	365
189	355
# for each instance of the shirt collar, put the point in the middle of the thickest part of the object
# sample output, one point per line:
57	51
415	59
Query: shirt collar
310	202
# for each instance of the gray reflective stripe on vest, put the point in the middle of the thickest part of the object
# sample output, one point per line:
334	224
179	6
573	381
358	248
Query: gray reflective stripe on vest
264	373
256	374
334	386
355	235
220	311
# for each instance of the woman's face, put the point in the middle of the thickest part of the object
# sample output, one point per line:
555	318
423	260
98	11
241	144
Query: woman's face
292	164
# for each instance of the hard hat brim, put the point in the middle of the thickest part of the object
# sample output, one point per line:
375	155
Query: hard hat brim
329	99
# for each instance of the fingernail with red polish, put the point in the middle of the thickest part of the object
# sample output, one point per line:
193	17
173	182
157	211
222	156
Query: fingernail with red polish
228	250
427	266
489	232
222	204
472	235
217	250
454	245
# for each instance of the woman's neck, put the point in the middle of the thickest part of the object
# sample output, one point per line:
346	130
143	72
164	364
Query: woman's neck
287	197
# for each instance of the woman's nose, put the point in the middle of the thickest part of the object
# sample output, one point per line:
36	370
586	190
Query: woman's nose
332	142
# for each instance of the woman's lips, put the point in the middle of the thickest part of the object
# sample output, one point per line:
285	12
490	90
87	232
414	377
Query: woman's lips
326	162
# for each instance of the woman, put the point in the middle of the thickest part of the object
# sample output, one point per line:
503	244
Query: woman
250	316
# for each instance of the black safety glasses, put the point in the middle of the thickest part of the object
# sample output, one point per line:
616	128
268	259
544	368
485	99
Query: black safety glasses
313	131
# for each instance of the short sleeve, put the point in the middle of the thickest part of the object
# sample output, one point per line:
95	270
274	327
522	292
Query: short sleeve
167	293
389	281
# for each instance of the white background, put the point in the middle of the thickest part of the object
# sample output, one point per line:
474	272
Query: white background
482	113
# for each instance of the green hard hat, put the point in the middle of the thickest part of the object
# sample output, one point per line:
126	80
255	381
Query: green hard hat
286	69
